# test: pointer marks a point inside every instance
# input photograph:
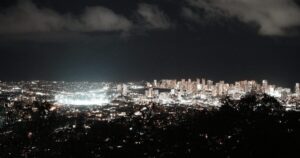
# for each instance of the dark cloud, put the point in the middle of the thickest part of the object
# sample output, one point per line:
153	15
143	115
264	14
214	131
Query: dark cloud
190	14
217	46
274	17
154	17
26	17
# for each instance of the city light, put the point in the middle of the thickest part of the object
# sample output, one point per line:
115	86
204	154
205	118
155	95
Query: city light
167	92
82	98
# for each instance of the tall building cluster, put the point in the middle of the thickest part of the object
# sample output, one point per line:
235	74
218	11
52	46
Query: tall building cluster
201	91
297	89
208	87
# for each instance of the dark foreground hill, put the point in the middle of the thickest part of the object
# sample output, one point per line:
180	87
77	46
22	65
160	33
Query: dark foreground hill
255	126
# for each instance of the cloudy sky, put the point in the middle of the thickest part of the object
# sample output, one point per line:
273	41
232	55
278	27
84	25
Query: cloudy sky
121	40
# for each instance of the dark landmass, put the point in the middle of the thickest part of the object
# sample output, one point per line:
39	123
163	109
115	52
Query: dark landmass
255	126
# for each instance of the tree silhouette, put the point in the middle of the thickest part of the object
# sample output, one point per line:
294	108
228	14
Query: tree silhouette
228	105
252	102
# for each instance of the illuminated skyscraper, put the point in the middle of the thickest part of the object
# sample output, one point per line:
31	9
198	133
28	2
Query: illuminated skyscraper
265	83
198	81
183	84
210	84
203	82
265	86
155	83
199	87
155	93
237	85
172	91
124	90
119	88
150	93
297	88
149	84
182	80
221	88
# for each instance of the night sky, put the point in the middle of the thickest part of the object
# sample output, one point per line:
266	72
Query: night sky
123	40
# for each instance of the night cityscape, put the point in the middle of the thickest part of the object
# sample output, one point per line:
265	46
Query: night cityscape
149	79
201	92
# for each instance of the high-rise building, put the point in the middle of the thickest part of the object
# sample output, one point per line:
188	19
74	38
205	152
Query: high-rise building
265	86
264	83
198	81
221	88
149	84
203	82
214	92
297	88
155	93
183	84
199	87
237	85
148	92
210	84
189	86
155	83
172	91
182	80
119	88
124	89
151	93
271	90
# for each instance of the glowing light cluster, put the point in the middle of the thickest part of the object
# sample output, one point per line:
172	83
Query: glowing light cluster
82	98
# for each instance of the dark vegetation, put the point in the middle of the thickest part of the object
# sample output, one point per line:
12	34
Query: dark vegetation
255	126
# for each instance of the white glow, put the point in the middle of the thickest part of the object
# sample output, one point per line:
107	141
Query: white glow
95	97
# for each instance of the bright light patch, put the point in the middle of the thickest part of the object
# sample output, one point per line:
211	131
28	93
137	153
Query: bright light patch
82	98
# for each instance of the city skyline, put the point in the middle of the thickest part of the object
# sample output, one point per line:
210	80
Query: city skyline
290	85
168	92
